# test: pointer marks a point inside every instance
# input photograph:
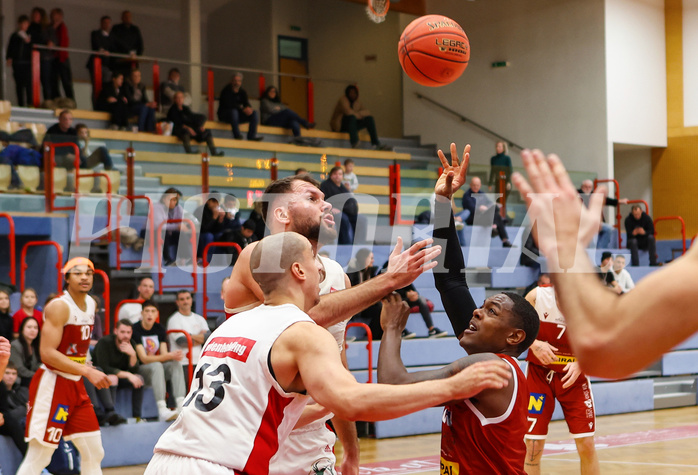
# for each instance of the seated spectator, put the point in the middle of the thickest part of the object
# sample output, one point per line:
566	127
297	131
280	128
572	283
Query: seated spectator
19	56
606	272
187	125
479	205
410	295
91	156
7	324
234	108
603	240
25	350
132	311
115	355
277	114
211	216
127	40
138	103
169	88
113	99
231	205
62	132
192	323
61	62
351	182
350	116
13	407
27	309
543	280
622	276
245	235
639	229
157	364
301	171
169	208
333	186
102	43
361	268
103	398
260	228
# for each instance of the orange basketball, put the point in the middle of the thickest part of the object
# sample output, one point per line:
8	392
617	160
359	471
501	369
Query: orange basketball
434	50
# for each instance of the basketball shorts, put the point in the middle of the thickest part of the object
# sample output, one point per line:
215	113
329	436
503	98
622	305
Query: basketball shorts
307	450
164	463
577	403
58	407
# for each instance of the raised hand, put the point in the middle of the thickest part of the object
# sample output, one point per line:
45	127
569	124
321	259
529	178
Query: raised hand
453	175
493	374
4	353
405	267
394	313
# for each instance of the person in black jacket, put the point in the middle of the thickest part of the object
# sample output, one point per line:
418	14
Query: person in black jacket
187	125
13	407
128	40
101	42
479	206
19	56
113	99
639	229
234	107
603	240
6	322
41	33
212	218
138	102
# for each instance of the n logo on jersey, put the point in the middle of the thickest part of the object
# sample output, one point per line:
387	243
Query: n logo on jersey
236	348
61	414
536	402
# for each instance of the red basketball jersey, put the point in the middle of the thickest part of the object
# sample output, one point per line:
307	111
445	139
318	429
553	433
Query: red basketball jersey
553	330
474	444
77	331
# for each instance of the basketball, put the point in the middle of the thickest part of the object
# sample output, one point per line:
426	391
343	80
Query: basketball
434	50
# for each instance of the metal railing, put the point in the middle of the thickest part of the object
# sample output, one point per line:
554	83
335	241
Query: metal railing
161	245
369	345
617	195
683	229
24	266
190	345
105	298
204	266
107	322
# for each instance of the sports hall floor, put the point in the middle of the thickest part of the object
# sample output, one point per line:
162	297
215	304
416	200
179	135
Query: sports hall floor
656	442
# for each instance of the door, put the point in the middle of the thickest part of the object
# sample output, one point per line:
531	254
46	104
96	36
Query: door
293	59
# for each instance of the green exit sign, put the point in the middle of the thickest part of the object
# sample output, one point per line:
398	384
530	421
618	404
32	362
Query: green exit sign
295	28
500	64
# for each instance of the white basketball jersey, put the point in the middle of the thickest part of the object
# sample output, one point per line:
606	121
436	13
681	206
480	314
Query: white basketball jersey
546	306
334	281
236	413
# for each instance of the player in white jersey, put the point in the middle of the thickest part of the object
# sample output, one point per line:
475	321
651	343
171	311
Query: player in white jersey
252	378
296	204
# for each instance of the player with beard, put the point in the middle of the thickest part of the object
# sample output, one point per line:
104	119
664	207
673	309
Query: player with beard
296	204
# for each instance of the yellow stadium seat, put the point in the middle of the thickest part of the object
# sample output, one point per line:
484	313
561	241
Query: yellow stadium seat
30	176
5	176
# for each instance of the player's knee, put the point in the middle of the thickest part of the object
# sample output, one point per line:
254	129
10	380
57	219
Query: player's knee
534	451
585	446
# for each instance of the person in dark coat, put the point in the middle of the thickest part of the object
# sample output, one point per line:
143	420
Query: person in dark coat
187	125
138	102
128	40
41	33
639	229
234	107
113	99
101	42
19	56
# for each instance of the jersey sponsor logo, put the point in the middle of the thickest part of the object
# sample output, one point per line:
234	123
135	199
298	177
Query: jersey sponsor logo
323	466
449	468
536	403
72	349
61	414
78	359
588	403
236	348
564	360
446	417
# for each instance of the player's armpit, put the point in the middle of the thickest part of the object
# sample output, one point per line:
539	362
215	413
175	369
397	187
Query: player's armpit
242	290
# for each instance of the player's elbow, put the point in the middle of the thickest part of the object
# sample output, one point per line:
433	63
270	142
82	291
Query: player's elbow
598	356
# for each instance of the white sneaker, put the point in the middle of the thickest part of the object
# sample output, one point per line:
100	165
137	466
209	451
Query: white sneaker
166	415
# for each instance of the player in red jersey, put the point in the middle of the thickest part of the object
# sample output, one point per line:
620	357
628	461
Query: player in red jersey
483	434
58	404
553	373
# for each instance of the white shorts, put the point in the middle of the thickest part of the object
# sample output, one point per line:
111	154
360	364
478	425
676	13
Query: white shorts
307	451
164	463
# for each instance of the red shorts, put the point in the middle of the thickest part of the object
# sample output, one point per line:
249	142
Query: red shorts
58	407
577	402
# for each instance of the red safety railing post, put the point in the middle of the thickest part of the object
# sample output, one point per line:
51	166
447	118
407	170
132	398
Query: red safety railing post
130	179
190	346
97	75
204	274
391	192
647	206
369	345
398	197
24	266
156	82
105	299
683	229
48	177
274	169
36	78
118	308
204	172
311	101
211	94
262	84
503	193
149	227
161	245
12	238
617	195
49	163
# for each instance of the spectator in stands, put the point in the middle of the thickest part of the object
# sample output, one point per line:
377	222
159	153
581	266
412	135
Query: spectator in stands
301	171
542	281
351	182
27	309
19	56
277	114
116	355
168	208
102	43
260	228
61	62
13	407
25	353
501	162
6	321
127	40
606	272
410	295
231	205
245	235
187	125
603	240
234	108
63	131
350	116
639	229
91	156
41	34
479	205
361	268
212	216
169	88
113	99
192	323
157	364
622	276
138	103
132	311
349	210
103	398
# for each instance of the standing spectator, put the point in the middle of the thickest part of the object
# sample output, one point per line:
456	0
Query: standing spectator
132	311
622	276
19	56
475	201
116	355
27	309
169	88
138	102
333	186
127	40
351	182
187	125
91	156
41	33
277	114
102	43
25	350
61	62
13	407
6	321
603	240
113	99
157	364
501	162
639	229
192	323
350	116
234	108
410	295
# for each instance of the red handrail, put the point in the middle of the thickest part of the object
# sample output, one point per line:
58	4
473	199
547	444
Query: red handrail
36	75
683	229
77	204
311	101
395	197
24	265
49	164
391	192
205	266
503	192
369	345
647	206
211	93
130	180
149	227
204	172
12	237
97	75
156	82
262	85
107	323
274	169
190	345
617	194
161	245
105	298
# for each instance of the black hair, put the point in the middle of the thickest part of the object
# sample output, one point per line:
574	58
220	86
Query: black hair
35	345
249	224
124	321
183	291
347	161
80	126
149	303
350	88
525	318
266	94
105	17
173	70
22	19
